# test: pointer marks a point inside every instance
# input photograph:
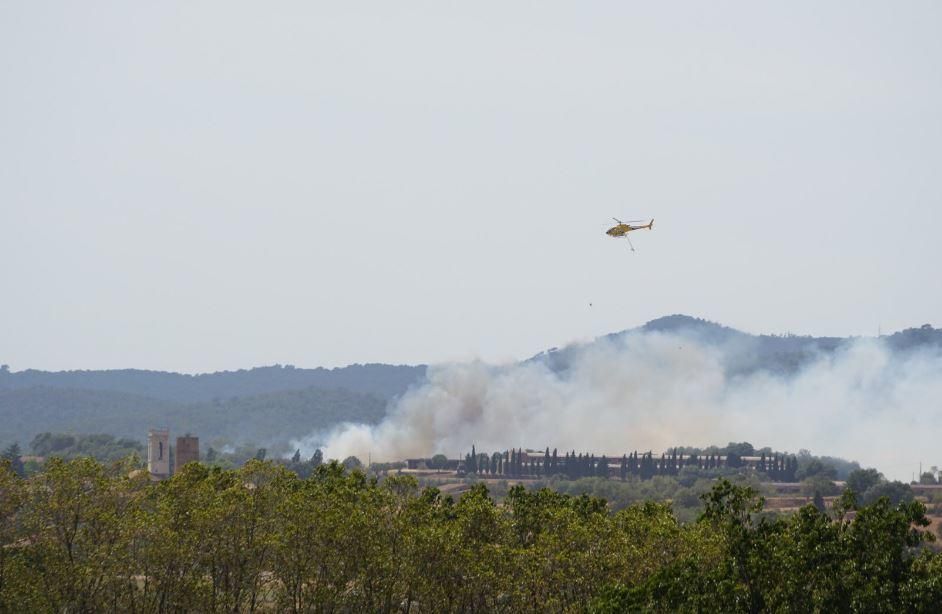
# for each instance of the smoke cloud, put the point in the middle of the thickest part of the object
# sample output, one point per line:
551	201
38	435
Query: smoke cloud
651	391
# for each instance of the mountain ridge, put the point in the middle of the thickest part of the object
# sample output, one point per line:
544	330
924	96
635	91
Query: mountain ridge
381	380
268	419
277	402
747	352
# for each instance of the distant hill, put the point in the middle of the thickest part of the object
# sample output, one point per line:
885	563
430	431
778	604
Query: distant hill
744	352
261	419
275	404
379	380
260	405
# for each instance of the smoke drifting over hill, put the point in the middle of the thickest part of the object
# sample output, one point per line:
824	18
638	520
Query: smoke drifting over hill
654	390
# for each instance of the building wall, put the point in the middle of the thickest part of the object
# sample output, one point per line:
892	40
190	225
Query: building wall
158	452
187	451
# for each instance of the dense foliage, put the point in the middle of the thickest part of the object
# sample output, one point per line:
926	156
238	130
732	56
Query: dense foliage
100	446
83	537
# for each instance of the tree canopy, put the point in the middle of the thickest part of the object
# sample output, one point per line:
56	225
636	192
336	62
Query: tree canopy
82	536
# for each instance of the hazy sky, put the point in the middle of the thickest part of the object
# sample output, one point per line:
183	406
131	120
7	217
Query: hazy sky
212	185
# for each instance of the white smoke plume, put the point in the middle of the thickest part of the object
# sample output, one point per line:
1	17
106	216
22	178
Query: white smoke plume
652	391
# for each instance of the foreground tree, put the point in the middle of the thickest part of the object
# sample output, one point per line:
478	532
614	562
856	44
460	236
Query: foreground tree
82	537
13	457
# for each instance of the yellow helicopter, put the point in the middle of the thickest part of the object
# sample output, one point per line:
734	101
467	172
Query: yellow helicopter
623	228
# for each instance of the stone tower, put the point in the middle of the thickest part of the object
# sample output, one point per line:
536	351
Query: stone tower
158	453
187	451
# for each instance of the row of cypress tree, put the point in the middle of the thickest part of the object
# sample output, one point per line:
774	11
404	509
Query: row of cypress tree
517	463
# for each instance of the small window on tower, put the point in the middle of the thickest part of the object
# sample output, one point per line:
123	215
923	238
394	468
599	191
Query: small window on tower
160	454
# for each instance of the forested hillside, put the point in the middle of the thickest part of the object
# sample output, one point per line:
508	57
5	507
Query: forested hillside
384	381
271	417
272	404
746	353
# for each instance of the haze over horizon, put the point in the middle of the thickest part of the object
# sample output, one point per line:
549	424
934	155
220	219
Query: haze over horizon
205	187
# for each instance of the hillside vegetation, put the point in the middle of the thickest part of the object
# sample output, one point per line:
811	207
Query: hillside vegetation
378	380
264	418
81	537
747	353
269	405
